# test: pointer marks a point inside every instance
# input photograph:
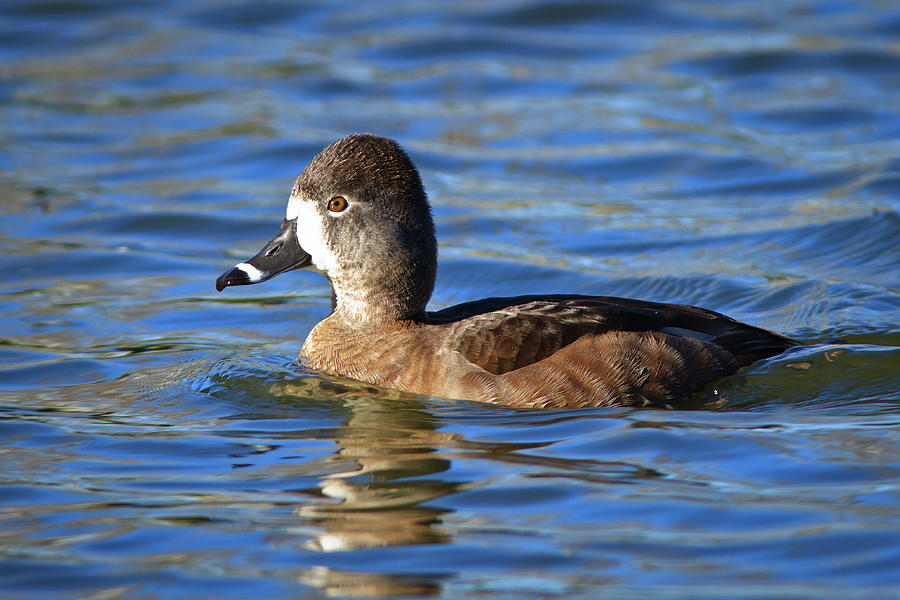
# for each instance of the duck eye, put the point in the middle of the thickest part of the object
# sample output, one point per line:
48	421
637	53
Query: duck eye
337	204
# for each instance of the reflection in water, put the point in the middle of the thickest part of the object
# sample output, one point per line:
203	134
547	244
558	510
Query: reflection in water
358	584
386	451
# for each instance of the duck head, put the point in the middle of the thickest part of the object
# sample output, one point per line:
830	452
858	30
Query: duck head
358	214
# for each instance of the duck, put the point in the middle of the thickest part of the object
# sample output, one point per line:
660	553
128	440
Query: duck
359	215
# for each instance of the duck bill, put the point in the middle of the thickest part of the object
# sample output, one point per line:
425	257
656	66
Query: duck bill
281	253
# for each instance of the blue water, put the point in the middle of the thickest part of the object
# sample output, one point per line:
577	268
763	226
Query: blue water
157	441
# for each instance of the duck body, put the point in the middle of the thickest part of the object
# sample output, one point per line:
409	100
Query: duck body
560	351
358	214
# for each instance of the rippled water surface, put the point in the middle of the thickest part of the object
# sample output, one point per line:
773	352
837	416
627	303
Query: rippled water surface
158	441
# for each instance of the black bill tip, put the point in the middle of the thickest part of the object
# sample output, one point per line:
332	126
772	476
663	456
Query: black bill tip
235	276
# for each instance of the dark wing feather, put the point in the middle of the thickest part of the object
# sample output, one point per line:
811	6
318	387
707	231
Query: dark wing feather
504	334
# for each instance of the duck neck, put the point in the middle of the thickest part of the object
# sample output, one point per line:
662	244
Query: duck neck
391	286
357	307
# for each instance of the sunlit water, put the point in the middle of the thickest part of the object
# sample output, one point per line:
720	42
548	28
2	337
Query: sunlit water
158	441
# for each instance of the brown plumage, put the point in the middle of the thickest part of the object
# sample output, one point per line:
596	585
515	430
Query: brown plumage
561	351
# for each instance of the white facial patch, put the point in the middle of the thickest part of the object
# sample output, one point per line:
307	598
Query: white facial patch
253	274
293	207
310	234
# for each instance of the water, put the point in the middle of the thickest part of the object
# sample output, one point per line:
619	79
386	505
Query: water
158	442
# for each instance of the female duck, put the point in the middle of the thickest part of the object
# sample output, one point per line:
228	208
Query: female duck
358	214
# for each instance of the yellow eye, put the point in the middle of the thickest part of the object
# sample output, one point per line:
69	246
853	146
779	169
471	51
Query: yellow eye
338	204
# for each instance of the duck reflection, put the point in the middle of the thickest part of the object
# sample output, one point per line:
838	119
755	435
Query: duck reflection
356	584
390	446
377	495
